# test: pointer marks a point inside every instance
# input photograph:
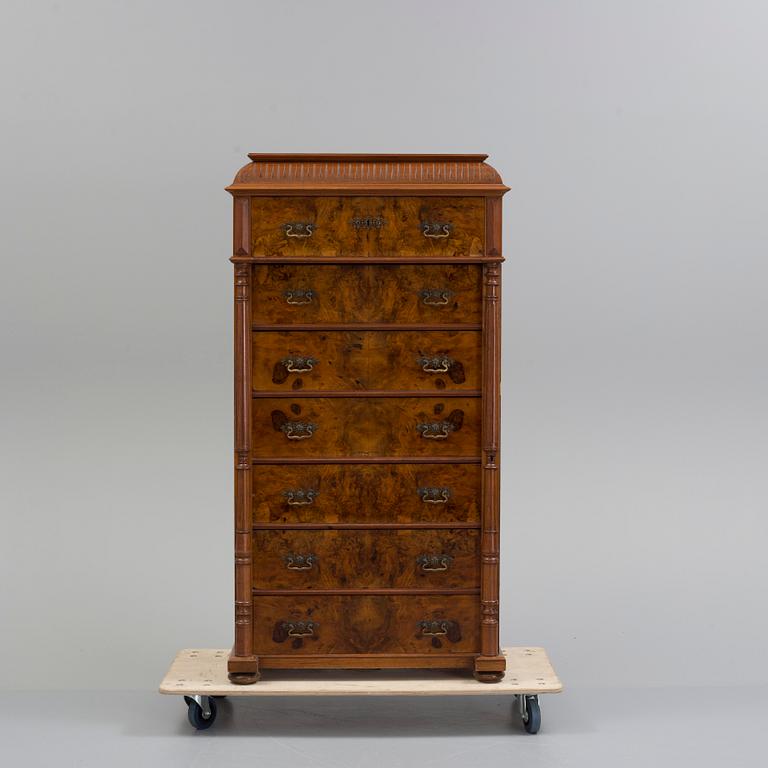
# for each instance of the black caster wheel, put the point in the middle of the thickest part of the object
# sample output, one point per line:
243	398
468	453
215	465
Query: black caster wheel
532	715
197	717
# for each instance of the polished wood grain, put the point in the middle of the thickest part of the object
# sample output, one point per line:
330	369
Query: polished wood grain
367	350
410	293
367	226
366	493
357	360
340	559
331	427
364	624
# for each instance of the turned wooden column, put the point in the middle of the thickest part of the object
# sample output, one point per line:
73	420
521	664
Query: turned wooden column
490	666
242	665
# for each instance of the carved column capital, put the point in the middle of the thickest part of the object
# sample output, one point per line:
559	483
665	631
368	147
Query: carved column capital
242	282
489	610
243	612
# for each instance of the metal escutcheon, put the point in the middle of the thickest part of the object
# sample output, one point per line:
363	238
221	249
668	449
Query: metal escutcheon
435	430
368	222
435	364
300	497
299	364
435	495
298	430
294	562
299	296
433	628
436	229
300	628
434	562
299	229
435	297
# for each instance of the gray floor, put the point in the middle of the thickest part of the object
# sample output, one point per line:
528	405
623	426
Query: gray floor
592	728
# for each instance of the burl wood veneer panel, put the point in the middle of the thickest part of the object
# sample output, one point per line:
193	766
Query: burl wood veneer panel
292	494
409	293
335	624
368	558
442	227
285	361
392	426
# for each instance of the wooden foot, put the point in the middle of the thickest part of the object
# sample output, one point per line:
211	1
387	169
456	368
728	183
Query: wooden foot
489	677
243	670
244	678
490	669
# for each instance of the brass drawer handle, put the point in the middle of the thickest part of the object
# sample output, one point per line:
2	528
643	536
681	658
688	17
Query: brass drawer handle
434	562
435	364
300	497
436	430
368	222
434	628
300	628
434	297
436	229
294	562
299	296
298	364
435	495
299	229
298	430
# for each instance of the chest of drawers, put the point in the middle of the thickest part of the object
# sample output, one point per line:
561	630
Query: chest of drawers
367	343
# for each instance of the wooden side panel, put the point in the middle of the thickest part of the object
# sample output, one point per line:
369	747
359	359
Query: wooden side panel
339	559
325	427
440	227
408	293
291	361
366	493
365	624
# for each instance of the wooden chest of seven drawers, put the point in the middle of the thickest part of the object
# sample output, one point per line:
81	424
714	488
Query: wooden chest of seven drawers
367	341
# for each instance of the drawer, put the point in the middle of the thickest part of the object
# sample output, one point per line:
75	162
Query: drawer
371	293
337	624
370	426
366	558
362	360
367	226
366	493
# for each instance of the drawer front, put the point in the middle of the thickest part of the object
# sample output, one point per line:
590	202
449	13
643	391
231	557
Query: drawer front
285	361
408	293
367	226
391	426
366	493
343	559
339	624
376	559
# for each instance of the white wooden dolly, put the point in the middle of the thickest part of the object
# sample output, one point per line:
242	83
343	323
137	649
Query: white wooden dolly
200	675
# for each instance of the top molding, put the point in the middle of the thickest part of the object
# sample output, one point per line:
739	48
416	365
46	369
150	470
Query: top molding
367	174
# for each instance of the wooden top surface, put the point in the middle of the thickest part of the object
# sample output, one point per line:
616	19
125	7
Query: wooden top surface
355	157
371	172
204	671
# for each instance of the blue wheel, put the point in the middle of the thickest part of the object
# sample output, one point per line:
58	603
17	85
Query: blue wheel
196	716
532	717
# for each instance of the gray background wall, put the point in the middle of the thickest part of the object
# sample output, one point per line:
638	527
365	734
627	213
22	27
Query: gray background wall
633	136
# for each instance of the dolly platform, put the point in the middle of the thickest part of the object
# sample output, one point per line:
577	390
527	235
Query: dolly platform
201	677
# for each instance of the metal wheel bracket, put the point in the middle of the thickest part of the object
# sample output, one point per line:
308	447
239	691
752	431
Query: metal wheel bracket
204	702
